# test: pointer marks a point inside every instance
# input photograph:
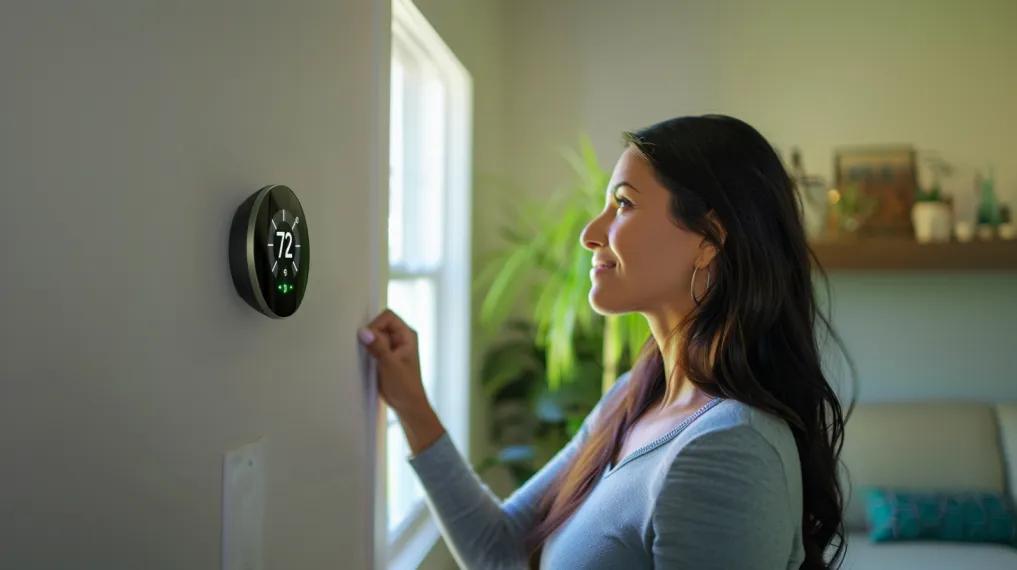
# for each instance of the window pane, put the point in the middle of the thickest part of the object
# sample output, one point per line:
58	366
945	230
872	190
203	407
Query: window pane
404	490
396	167
431	150
414	301
417	175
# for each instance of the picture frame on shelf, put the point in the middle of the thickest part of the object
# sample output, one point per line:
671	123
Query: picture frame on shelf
887	174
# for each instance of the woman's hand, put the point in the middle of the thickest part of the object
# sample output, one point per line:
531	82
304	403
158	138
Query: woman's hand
394	344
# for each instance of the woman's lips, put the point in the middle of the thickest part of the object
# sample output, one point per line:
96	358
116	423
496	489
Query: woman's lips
600	269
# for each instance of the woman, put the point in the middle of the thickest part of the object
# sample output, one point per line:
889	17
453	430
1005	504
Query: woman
719	448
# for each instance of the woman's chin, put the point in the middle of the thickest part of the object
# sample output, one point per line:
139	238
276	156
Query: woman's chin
603	306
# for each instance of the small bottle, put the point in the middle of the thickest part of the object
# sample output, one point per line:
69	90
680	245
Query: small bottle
1006	228
964	210
811	196
988	209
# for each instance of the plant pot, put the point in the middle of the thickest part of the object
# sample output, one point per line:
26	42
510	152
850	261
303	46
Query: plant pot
963	231
932	221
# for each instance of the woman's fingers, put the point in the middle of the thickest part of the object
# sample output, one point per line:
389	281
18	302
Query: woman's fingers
389	324
387	319
375	343
390	334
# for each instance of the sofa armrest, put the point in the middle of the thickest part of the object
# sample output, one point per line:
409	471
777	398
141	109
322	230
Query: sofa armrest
1006	414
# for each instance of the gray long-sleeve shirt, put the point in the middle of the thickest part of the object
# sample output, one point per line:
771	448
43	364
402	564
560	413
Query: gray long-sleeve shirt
722	490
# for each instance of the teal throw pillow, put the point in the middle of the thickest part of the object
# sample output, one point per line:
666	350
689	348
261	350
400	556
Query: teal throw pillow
964	516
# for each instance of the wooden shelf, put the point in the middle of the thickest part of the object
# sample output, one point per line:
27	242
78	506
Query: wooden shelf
896	254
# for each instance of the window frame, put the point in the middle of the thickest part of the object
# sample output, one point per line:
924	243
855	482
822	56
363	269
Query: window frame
411	540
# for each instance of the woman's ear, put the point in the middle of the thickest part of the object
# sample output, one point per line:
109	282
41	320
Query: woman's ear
715	221
708	250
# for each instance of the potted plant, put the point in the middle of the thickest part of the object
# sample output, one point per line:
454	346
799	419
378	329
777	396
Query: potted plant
849	209
529	421
549	244
580	353
931	215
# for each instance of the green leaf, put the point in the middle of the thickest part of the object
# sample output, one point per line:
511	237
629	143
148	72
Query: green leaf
499	297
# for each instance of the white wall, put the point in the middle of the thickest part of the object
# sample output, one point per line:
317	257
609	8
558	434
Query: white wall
129	133
814	74
929	335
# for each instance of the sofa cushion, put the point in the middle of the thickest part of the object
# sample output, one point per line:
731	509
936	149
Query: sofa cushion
896	515
925	555
923	446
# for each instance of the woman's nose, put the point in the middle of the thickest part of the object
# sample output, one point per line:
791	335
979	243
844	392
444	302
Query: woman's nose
590	237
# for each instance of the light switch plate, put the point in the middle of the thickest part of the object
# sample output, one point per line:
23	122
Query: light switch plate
243	507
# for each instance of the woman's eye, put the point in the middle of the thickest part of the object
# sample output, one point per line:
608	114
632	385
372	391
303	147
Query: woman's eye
623	201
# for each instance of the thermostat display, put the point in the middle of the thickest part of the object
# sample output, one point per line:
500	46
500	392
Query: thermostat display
269	251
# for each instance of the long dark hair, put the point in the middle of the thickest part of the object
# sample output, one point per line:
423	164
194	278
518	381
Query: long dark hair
752	338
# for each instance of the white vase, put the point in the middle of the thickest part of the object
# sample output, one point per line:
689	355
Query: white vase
932	221
963	231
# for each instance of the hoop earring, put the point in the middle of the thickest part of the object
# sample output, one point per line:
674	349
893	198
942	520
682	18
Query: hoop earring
692	286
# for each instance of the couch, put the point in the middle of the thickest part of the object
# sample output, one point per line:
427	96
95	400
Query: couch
927	446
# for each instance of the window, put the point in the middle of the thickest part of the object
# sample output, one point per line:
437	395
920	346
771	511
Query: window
429	244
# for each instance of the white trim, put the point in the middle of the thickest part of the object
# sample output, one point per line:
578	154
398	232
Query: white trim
409	524
413	35
417	536
381	17
398	272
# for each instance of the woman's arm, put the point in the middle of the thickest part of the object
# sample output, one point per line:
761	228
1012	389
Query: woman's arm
481	531
421	426
724	505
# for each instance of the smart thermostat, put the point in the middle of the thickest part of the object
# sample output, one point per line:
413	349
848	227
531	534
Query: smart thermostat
270	251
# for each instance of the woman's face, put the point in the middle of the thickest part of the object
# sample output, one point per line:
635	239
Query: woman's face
653	256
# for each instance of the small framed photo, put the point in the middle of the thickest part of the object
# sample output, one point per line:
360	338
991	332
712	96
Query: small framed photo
886	174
